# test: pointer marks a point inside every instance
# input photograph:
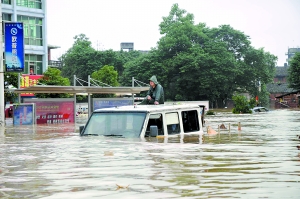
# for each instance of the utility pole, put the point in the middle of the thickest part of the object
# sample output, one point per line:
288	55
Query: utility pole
2	110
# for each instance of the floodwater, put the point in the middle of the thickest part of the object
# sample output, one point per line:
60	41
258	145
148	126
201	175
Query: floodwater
261	160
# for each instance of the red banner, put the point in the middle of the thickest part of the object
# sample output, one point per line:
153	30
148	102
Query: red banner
29	80
53	112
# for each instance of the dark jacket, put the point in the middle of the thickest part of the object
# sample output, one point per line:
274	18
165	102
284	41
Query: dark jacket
156	93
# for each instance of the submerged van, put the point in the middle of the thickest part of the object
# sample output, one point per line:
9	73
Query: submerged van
139	121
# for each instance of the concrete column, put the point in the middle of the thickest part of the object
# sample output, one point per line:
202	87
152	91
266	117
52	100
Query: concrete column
2	105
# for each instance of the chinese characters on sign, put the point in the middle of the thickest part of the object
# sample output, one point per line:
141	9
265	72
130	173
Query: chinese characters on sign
27	81
14	46
53	112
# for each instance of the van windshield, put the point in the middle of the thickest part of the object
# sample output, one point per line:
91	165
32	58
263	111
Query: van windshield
120	124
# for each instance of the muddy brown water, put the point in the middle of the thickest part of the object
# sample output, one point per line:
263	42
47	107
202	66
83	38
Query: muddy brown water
262	160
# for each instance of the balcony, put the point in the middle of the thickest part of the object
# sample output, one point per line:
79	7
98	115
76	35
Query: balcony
54	64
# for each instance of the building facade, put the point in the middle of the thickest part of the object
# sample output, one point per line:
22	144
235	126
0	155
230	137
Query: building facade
34	17
291	52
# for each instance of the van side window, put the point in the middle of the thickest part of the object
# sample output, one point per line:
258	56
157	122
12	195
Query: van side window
202	113
155	120
190	121
172	121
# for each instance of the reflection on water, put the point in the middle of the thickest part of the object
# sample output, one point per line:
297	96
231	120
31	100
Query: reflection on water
259	161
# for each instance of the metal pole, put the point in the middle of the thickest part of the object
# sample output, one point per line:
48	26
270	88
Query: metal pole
89	98
74	83
19	86
132	81
2	103
132	94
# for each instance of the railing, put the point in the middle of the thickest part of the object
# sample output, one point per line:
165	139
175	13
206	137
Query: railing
55	64
283	103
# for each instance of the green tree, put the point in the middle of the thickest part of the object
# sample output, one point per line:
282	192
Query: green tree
181	51
294	72
205	63
10	79
242	105
107	76
263	96
52	76
142	68
260	69
80	60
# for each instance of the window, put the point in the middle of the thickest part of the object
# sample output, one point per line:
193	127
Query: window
32	30
33	64
190	121
117	124
155	120
172	121
6	17
6	1
30	3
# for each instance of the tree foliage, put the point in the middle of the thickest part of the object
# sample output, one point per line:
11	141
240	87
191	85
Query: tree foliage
192	61
52	76
10	79
82	59
294	72
106	76
242	105
195	62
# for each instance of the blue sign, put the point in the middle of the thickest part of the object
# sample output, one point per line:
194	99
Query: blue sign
23	114
111	102
14	46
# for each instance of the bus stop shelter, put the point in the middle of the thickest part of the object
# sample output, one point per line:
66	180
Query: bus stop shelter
82	90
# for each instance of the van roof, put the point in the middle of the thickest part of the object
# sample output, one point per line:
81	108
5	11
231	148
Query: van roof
148	108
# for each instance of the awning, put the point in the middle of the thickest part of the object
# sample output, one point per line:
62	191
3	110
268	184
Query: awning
291	93
81	89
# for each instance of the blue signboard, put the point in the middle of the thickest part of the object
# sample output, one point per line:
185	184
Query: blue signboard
111	102
23	114
14	46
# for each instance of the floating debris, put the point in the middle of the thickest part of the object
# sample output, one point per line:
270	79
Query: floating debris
108	153
223	126
211	131
122	187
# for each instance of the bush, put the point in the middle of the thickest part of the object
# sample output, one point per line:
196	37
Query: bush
209	112
242	105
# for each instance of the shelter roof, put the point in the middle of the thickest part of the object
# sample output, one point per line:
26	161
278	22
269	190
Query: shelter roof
80	89
291	93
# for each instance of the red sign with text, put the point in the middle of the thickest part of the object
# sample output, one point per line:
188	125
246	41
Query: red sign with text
29	80
54	112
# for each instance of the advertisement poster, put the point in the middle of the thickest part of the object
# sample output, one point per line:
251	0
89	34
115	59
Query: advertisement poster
23	114
53	112
111	102
14	46
27	81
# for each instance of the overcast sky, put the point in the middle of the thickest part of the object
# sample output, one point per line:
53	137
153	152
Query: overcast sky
271	24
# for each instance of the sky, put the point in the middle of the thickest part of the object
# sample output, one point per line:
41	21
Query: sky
271	24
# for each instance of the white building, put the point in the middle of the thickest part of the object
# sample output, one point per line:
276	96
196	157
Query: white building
34	17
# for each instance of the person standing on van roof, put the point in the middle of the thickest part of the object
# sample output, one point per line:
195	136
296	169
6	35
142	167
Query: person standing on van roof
155	94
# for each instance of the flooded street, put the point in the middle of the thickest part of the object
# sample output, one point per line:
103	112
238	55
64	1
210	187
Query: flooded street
261	160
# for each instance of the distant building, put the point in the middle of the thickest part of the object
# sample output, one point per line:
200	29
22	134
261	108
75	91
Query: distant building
127	45
33	15
280	88
291	52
